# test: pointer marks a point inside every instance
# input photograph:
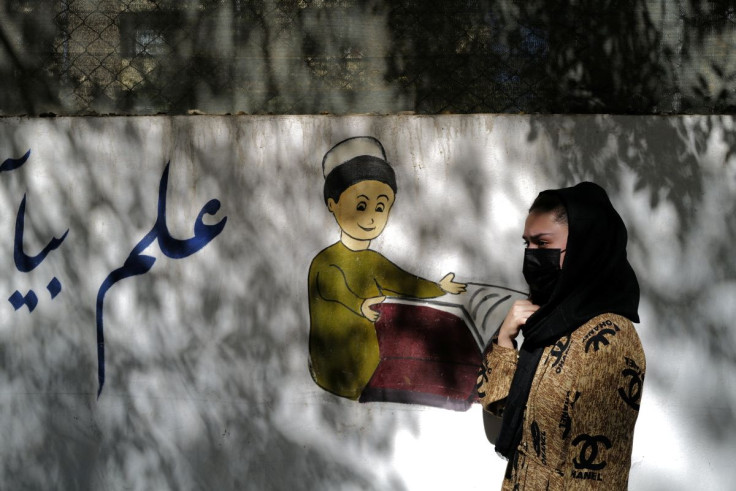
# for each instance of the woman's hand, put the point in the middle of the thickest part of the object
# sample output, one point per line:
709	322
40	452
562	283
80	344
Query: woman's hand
367	311
449	286
520	311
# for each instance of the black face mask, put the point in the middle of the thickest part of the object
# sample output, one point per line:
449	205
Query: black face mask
541	271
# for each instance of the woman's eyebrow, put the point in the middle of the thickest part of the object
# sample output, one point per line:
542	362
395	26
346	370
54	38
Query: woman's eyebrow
536	236
363	196
382	196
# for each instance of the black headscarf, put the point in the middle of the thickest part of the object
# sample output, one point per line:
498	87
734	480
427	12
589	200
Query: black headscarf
596	278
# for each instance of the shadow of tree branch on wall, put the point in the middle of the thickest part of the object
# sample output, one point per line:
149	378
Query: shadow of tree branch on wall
206	367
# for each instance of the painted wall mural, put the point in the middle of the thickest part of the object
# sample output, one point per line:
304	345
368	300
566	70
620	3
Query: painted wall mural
363	347
222	362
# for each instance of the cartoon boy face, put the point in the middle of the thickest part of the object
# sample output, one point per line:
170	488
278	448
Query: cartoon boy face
363	208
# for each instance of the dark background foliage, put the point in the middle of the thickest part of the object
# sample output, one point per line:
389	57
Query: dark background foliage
344	56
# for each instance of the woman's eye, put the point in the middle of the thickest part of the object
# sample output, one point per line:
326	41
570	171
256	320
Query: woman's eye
361	206
379	208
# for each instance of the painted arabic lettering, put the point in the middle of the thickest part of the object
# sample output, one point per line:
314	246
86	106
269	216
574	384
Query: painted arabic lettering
23	262
137	263
12	164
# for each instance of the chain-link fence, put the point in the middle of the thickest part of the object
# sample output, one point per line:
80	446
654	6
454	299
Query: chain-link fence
347	56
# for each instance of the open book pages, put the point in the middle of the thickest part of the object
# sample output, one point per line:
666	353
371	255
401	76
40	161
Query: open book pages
482	307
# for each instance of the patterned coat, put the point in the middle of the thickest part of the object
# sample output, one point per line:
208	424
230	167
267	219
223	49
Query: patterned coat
579	422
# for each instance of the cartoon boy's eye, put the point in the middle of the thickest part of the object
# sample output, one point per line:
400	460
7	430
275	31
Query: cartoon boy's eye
380	207
361	206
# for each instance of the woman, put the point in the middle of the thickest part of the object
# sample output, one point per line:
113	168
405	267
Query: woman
570	396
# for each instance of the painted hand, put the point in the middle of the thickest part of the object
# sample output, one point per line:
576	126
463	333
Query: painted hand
366	309
449	286
520	311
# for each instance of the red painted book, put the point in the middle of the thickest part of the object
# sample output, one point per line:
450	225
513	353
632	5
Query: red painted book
431	349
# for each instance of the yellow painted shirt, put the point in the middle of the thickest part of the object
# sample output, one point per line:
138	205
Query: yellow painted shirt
579	421
343	346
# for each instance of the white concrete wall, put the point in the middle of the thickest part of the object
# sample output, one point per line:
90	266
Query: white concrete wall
207	383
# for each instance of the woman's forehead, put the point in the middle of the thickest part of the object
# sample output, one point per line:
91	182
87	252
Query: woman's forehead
538	223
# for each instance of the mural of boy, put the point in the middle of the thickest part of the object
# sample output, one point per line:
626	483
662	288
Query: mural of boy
347	278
